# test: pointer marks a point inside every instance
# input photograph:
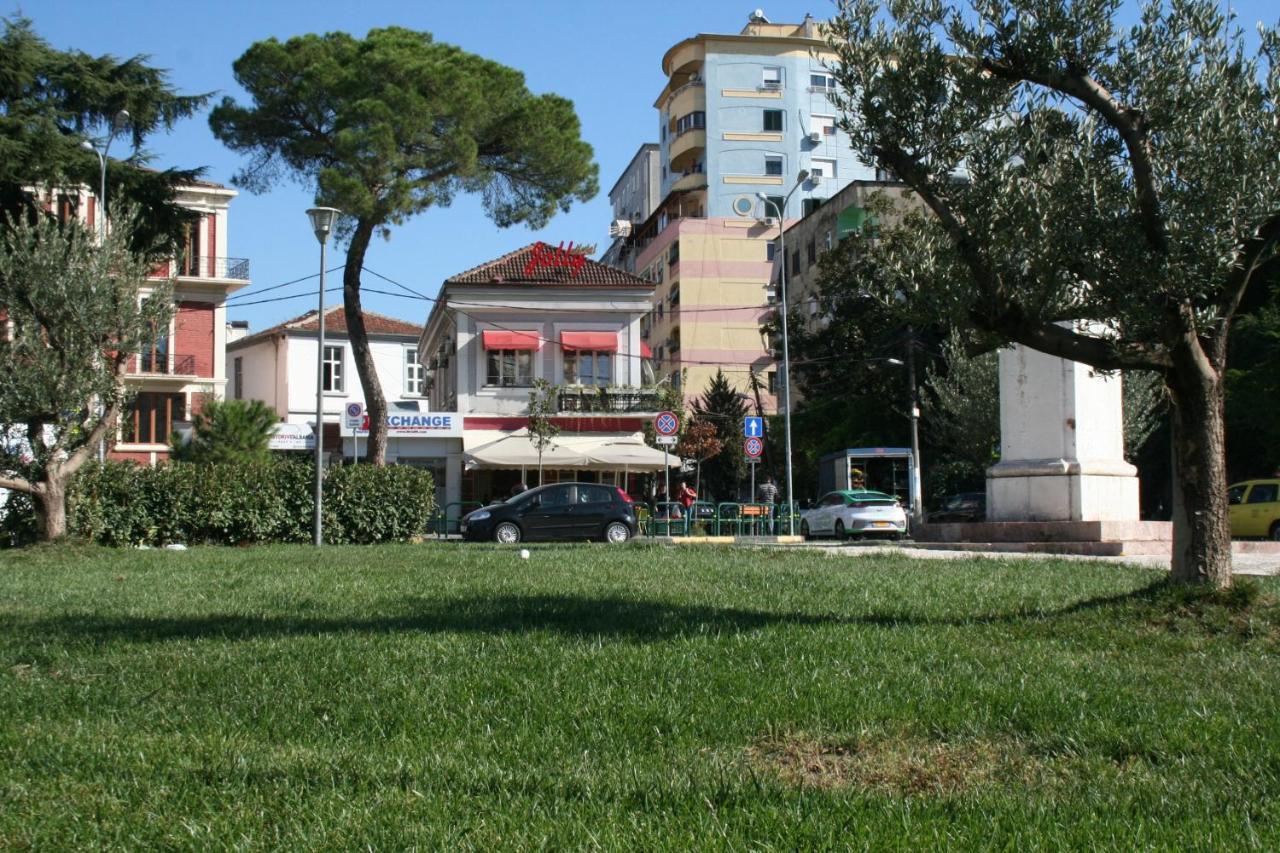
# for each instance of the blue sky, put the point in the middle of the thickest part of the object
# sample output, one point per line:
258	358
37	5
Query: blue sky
605	57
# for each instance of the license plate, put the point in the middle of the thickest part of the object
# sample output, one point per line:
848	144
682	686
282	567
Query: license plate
882	524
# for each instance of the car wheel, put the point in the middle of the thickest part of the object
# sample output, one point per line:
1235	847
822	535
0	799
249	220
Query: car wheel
506	533
616	531
1275	531
839	530
804	531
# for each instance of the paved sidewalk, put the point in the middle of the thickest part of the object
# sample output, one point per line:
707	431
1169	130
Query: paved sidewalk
1244	564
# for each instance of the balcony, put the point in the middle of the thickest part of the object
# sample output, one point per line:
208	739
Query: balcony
160	364
687	149
234	269
607	401
691	97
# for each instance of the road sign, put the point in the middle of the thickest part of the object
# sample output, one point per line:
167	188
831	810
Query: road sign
666	423
754	447
753	427
355	415
666	439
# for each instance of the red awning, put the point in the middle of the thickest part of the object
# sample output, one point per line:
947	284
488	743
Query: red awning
599	341
503	339
645	350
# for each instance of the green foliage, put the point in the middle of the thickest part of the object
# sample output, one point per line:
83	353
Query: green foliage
391	124
229	432
723	408
542	406
1253	387
78	316
51	100
120	503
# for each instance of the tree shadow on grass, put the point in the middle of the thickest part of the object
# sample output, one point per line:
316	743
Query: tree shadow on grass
566	615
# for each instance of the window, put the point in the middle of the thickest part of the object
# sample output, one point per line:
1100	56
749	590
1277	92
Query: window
693	121
820	169
595	494
795	262
673	253
772	377
151	416
773	121
413	372
826	241
771	77
776	206
333	369
586	367
1235	495
822	82
674	296
510	368
237	371
770	250
1263	493
155	353
883	174
772	165
822	125
811	251
810	205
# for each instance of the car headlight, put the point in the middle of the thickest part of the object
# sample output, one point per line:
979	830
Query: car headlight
478	515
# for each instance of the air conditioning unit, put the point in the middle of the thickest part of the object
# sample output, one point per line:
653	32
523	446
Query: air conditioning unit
815	136
619	228
815	179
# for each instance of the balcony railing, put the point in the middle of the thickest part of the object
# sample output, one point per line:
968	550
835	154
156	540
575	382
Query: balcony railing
607	401
206	267
161	363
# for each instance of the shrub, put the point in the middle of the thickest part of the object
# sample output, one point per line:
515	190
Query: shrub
120	503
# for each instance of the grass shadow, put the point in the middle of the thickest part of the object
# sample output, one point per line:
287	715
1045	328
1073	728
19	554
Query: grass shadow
568	615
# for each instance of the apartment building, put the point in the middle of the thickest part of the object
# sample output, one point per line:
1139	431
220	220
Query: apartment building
184	364
740	116
633	198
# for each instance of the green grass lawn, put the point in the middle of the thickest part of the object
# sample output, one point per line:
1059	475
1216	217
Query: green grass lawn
451	696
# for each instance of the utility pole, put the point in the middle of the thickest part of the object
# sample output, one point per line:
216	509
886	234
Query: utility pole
913	402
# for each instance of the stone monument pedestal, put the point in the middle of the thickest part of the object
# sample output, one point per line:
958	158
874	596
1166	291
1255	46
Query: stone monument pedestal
1062	484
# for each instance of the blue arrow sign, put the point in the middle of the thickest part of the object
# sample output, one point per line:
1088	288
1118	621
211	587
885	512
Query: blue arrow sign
753	427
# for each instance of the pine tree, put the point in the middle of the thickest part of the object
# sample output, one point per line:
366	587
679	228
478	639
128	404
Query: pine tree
725	408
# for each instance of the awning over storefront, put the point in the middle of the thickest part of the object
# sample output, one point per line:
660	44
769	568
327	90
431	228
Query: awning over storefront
593	341
580	451
506	339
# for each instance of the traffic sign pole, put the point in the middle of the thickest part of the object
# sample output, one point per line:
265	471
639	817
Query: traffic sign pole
666	425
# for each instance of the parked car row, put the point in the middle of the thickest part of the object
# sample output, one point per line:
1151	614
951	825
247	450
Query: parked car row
594	511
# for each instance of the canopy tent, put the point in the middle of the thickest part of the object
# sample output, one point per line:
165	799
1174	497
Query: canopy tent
581	452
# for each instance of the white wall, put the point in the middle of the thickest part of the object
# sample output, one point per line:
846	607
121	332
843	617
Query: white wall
388	358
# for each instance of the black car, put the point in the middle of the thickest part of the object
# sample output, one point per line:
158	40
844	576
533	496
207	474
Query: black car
964	507
559	511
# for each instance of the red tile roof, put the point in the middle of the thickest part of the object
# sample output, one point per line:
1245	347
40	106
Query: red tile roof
335	321
541	264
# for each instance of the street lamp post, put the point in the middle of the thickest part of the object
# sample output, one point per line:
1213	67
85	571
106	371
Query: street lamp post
917	499
786	352
118	123
322	219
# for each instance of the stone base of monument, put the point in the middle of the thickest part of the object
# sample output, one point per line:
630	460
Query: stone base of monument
1092	538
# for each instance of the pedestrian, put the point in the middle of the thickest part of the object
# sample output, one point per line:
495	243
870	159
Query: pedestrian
686	496
768	491
517	489
857	479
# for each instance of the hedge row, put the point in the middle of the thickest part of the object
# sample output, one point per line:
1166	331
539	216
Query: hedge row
120	503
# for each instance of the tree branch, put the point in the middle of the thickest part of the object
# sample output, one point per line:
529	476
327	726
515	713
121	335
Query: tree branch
1250	259
1126	121
17	484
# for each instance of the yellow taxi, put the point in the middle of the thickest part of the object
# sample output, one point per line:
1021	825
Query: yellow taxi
1255	508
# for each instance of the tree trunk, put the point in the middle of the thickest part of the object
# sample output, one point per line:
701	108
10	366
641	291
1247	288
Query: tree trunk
1201	518
374	401
50	502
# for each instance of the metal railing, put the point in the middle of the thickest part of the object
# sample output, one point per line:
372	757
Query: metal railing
198	266
607	401
165	364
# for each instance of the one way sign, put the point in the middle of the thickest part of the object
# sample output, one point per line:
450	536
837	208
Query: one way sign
753	427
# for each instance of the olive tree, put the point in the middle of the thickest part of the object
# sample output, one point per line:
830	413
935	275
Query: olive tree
1075	170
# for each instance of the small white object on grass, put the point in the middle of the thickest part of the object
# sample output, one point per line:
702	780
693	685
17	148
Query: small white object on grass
175	546
524	553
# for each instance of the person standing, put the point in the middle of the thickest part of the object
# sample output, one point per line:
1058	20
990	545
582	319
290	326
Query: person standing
686	496
768	491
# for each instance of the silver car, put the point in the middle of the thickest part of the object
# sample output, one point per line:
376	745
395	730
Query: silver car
854	513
